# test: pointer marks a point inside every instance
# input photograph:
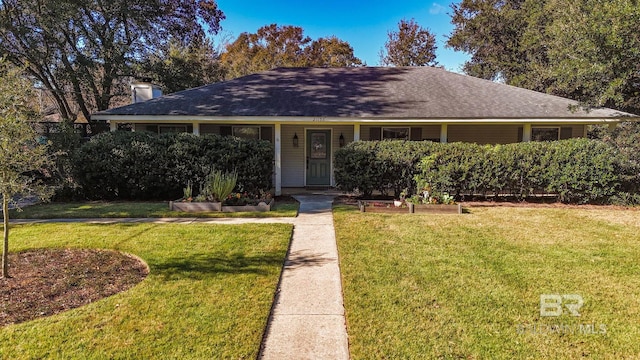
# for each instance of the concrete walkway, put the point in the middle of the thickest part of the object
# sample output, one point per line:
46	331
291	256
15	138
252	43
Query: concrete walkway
307	319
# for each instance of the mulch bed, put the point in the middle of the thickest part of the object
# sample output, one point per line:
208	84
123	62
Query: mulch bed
44	282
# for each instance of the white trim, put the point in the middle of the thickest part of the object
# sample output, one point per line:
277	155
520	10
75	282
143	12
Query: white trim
113	126
196	128
526	133
356	132
444	133
306	145
310	121
278	158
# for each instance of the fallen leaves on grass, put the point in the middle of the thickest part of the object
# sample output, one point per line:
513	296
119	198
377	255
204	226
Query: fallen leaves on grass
49	281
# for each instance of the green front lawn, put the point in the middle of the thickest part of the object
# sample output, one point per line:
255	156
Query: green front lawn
136	210
469	286
208	294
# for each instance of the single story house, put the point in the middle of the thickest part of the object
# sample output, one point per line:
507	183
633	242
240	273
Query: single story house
307	113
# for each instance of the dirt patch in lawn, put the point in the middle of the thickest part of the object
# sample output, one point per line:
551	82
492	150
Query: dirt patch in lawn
49	281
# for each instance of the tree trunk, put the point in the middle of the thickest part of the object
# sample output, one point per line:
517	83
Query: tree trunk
5	247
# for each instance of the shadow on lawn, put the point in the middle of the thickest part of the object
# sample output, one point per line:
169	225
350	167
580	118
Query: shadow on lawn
197	266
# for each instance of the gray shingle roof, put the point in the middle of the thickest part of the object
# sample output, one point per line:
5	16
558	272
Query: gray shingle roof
365	92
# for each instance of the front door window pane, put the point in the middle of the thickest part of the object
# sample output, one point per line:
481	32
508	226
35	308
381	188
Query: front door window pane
318	146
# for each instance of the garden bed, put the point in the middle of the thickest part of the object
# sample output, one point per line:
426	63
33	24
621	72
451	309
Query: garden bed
388	206
197	207
435	208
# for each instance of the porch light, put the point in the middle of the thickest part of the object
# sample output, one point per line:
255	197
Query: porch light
295	139
341	140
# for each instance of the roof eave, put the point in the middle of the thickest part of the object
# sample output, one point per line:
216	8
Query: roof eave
362	120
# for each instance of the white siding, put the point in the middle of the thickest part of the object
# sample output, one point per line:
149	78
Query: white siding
293	162
346	131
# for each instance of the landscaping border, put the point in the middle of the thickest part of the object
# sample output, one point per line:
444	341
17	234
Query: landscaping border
390	208
196	207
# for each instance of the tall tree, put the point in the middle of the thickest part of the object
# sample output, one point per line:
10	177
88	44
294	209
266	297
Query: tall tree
284	46
178	67
411	45
491	31
20	153
593	51
330	52
79	49
582	49
270	47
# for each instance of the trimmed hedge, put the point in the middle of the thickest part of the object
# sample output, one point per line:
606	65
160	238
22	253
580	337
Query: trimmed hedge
385	166
574	170
143	165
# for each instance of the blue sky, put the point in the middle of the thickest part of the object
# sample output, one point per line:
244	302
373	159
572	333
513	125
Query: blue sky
364	24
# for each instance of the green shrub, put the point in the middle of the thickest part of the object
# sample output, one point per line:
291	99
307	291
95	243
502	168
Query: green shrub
574	170
385	166
581	170
62	144
143	165
455	168
220	185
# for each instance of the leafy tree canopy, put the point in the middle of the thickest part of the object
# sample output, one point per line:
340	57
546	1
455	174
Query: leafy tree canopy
81	49
284	46
178	67
587	50
411	45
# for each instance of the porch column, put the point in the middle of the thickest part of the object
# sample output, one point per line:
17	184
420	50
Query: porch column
196	128
356	132
278	159
526	133
444	129
113	126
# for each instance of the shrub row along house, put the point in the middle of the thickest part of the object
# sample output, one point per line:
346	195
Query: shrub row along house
307	113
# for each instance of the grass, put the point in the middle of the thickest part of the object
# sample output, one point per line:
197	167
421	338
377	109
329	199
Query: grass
136	210
469	286
208	294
